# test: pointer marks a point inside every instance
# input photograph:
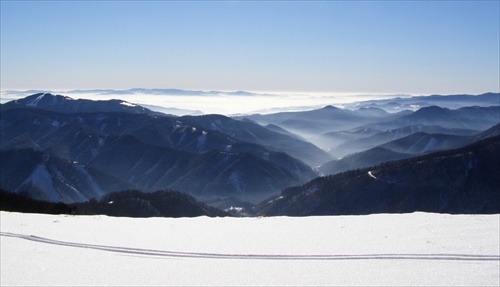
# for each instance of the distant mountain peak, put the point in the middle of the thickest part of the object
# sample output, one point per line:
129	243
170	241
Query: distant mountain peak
330	107
434	108
430	111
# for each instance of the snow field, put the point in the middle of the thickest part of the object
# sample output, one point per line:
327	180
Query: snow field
385	249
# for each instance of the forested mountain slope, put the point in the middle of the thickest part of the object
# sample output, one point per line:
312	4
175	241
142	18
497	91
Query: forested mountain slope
463	180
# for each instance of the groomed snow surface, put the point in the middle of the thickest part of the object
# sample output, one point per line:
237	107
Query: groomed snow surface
398	249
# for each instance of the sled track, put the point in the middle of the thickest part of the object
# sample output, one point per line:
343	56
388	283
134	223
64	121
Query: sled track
166	253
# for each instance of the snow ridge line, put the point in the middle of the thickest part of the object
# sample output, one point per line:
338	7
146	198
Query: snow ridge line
165	253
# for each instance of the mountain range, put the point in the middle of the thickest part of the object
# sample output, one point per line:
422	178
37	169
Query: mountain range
143	91
147	151
57	149
414	103
334	129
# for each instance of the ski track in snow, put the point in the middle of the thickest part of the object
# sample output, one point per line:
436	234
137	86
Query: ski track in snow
166	253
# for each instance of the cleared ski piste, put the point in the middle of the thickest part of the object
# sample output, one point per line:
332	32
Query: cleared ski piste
384	249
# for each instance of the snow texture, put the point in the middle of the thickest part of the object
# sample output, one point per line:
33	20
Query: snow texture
371	250
34	102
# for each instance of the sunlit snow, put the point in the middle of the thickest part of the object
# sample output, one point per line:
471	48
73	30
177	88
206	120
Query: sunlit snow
374	250
371	175
127	104
34	103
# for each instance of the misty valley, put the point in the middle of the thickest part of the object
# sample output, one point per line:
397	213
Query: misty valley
76	156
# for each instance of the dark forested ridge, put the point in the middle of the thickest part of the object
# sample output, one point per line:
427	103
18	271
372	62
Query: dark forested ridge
463	180
129	203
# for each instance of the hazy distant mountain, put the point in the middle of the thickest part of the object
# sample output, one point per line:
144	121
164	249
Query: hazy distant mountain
420	142
464	180
433	119
360	140
320	120
280	130
417	102
331	126
415	144
471	118
171	92
313	124
64	104
371	157
173	111
405	147
491	132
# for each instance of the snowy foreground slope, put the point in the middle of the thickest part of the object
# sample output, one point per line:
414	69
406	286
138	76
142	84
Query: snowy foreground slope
398	249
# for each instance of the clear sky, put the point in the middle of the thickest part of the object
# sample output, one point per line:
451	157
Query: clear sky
417	47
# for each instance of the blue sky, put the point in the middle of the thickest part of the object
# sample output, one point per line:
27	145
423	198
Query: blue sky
418	47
